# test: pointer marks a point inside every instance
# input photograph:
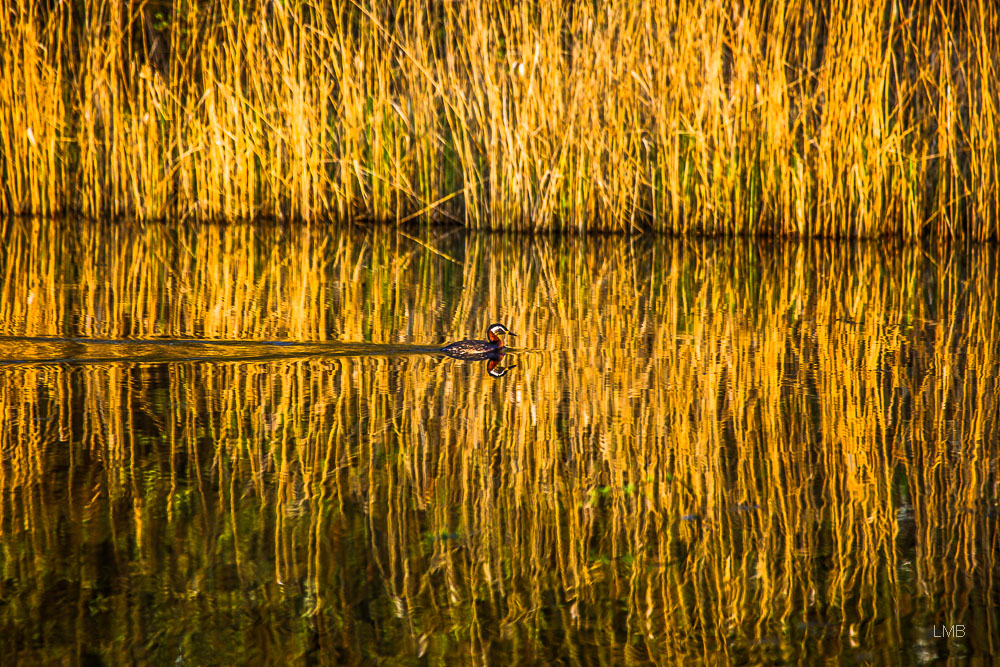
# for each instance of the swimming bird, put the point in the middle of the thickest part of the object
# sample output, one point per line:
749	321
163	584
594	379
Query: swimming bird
480	349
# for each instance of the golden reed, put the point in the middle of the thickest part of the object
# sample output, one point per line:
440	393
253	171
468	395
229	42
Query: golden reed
816	118
755	453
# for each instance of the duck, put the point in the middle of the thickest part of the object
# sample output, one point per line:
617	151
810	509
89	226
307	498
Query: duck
480	349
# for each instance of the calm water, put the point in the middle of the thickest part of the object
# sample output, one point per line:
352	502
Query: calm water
236	444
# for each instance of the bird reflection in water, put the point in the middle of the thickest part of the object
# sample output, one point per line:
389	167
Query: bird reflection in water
494	362
494	368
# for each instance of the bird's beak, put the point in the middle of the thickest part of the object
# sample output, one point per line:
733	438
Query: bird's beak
511	333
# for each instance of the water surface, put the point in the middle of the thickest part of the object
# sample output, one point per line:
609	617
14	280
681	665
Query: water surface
238	444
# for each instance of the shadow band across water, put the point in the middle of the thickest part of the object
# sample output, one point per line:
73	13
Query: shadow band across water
35	350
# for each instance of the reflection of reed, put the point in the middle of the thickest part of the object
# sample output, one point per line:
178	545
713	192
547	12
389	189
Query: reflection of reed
707	456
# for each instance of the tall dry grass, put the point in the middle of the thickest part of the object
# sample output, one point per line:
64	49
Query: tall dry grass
813	118
711	453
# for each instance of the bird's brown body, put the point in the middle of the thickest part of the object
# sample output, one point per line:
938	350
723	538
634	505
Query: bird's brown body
480	349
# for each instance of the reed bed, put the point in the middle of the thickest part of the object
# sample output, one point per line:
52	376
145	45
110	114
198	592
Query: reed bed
767	452
805	118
